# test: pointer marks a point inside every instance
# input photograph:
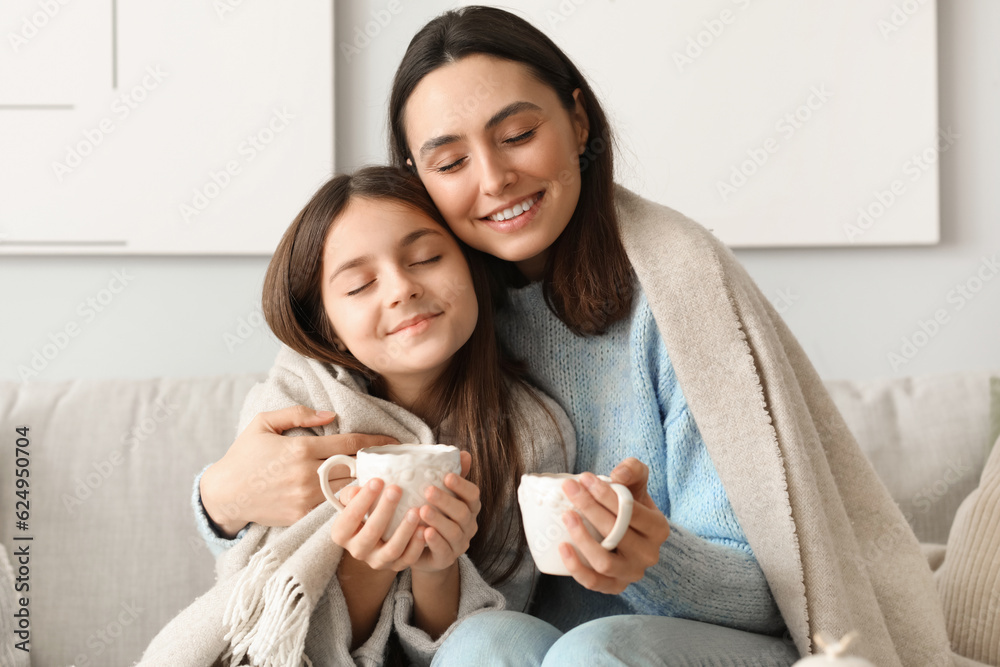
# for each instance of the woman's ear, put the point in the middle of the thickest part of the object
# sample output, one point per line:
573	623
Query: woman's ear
581	122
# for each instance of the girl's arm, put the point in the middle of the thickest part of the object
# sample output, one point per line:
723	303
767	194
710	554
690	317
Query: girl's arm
370	565
451	523
435	584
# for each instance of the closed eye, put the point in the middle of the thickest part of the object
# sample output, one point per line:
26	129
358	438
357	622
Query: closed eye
429	261
521	137
360	289
449	167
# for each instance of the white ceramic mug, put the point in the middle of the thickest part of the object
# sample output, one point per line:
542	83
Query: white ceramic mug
413	468
542	505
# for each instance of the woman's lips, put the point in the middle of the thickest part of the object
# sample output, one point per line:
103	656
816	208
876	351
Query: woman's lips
518	221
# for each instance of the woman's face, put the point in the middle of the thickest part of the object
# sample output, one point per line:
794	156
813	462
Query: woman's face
499	154
397	290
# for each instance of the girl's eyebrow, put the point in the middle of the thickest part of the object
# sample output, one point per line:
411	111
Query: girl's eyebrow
495	119
407	240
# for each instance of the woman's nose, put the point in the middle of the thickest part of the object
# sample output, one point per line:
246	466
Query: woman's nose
495	174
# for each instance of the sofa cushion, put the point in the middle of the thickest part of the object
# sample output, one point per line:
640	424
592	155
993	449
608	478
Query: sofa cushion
969	578
926	438
115	553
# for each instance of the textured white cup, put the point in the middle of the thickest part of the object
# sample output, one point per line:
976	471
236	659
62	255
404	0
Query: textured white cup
543	503
413	468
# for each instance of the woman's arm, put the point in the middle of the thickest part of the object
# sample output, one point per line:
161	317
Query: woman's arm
270	478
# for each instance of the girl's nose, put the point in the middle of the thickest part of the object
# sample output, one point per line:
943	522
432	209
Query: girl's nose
401	287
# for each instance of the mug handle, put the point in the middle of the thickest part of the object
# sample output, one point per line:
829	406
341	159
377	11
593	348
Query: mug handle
624	517
352	464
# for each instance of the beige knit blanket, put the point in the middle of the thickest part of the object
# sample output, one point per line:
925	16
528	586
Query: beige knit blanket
277	601
836	550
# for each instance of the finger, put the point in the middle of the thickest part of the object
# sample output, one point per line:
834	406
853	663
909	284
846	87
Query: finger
632	473
649	523
595	512
584	575
349	521
449	530
413	551
601	560
378	520
279	421
452	508
466	459
324	446
464	489
441	548
348	493
392	550
458	510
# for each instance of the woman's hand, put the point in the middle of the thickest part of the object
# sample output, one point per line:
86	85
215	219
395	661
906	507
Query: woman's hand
612	571
270	479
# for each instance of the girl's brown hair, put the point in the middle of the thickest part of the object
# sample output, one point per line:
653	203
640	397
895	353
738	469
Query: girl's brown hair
474	392
588	281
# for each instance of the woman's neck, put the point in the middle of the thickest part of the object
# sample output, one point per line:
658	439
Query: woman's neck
533	268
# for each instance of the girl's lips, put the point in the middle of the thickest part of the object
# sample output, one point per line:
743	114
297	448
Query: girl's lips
417	327
518	221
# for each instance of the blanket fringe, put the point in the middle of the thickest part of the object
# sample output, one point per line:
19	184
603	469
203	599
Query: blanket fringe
246	603
280	636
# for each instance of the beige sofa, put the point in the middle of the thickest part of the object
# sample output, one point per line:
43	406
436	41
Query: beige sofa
114	552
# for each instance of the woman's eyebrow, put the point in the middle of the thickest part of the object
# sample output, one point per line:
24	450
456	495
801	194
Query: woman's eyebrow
508	111
407	240
495	119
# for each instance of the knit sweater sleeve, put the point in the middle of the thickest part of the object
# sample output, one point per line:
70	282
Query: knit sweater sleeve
707	570
207	528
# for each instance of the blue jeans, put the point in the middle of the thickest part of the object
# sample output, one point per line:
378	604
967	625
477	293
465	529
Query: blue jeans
516	639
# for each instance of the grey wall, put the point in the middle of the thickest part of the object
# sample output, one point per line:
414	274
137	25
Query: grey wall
849	307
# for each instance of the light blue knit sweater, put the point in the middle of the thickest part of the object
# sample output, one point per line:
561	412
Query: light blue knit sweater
624	400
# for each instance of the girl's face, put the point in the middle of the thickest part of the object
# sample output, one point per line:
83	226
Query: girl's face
499	154
397	290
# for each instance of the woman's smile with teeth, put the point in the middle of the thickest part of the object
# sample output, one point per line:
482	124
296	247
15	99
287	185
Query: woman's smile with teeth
515	210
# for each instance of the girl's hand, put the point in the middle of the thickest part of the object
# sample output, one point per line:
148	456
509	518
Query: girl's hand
612	571
270	479
363	539
451	521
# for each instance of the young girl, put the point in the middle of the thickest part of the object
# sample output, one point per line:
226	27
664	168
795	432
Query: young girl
388	323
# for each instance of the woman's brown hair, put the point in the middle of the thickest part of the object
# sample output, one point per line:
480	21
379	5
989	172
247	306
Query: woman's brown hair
588	281
474	392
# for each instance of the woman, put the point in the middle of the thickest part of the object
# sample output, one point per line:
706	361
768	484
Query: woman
616	303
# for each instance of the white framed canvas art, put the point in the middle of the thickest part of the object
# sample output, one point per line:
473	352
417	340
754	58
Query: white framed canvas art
152	127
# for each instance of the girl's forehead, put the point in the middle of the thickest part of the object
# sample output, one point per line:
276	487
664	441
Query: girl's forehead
377	222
